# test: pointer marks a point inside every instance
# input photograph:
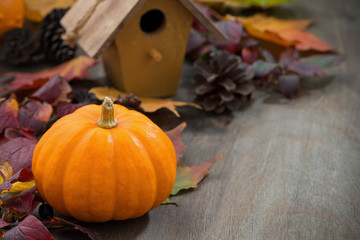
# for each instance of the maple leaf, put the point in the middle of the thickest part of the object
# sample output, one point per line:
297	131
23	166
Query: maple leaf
175	137
34	116
76	68
283	32
54	91
9	113
19	152
148	104
189	177
36	10
29	228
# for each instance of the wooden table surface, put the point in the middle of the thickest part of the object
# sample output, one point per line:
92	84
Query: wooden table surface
291	169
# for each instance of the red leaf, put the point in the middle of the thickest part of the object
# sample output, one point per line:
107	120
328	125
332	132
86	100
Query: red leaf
12	133
19	151
74	69
187	177
24	175
249	56
4	224
306	69
55	90
64	108
175	137
34	116
23	202
29	228
233	30
8	113
59	222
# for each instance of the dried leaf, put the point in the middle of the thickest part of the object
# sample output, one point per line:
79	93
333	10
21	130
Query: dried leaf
4	224
23	175
54	91
36	10
65	108
148	104
57	222
187	177
76	68
249	3
283	32
168	201
6	171
8	113
34	116
23	202
29	228
19	152
324	61
175	137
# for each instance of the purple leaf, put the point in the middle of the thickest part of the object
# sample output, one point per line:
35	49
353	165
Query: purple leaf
287	58
24	175
4	224
306	69
233	30
29	228
267	55
59	222
65	108
34	116
206	11
23	202
289	85
55	90
9	113
12	133
19	151
195	40
248	55
262	68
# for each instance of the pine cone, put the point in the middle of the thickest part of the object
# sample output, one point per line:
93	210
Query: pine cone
19	45
50	37
223	82
130	101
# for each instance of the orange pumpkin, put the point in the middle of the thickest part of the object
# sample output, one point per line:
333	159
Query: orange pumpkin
12	14
113	167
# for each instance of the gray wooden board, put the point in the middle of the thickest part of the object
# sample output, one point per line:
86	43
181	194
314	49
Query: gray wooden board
291	169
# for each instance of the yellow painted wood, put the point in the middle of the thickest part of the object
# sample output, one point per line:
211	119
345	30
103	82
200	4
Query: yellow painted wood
133	68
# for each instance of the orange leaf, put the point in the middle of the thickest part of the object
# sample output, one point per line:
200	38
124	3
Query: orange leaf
36	10
148	104
282	32
76	68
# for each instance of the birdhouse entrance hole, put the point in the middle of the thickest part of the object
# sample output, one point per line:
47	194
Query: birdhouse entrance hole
152	21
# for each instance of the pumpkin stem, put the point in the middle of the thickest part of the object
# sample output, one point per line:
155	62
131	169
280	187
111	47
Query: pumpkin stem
107	119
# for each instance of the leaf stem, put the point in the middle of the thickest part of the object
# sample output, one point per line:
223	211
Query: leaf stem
107	119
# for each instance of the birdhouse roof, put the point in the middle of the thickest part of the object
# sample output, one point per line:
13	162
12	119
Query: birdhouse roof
110	17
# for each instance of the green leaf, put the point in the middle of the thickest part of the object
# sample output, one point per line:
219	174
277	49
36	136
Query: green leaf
168	201
262	68
324	61
189	177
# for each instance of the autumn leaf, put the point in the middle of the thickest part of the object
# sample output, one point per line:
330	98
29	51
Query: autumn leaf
9	113
148	104
23	202
283	32
6	171
23	175
34	116
54	91
19	152
289	85
29	228
76	68
262	68
324	61
248	3
189	177
65	108
175	137
36	10
12	133
233	30
57	222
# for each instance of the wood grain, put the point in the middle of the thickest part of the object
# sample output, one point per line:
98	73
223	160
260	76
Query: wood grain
291	169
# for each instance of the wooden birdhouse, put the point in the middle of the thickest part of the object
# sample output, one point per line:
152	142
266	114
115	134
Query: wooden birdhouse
142	42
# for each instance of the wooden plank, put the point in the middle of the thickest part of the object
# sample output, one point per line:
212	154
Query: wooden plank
104	24
204	20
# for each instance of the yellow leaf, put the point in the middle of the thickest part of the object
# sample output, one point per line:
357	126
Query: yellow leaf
36	10
6	171
18	187
148	104
283	32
